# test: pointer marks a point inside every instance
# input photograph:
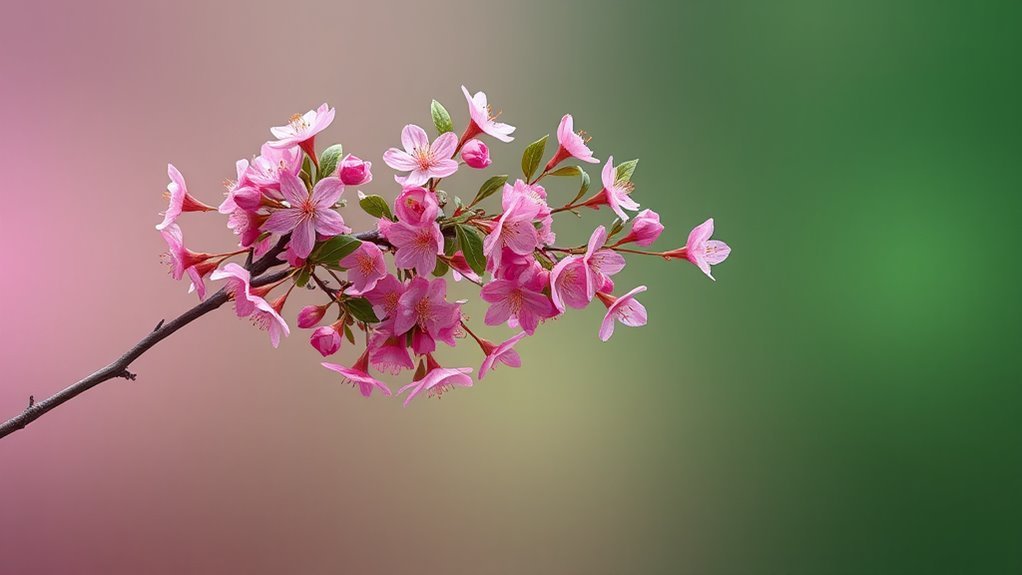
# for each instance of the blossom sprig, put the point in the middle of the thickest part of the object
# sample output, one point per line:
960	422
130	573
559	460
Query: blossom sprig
390	284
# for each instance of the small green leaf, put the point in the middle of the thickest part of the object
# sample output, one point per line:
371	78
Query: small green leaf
583	188
334	249
328	161
361	310
376	206
348	334
616	227
625	170
472	248
450	245
441	119
488	188
532	156
566	171
303	277
441	268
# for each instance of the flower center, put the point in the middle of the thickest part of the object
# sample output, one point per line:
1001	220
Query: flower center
423	157
366	264
298	123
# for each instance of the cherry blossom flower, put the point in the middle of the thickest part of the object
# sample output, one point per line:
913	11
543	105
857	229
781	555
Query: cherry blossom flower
310	315
601	263
625	309
270	320
483	119
389	353
424	305
514	230
266	168
500	353
416	205
180	258
569	283
365	266
437	380
326	340
701	250
358	376
476	154
571	145
518	299
417	245
301	130
249	302
614	193
646	228
421	159
385	296
180	199
354	171
307	213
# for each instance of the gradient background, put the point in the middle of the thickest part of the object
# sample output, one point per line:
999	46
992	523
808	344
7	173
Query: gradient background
845	399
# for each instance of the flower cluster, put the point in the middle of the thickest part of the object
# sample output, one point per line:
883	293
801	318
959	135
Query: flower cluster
391	283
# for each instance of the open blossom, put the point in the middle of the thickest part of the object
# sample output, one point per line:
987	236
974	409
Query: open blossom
302	130
601	262
416	205
500	353
421	159
569	283
417	245
354	171
249	302
271	321
646	228
326	340
180	199
514	230
389	353
483	119
307	213
424	305
265	170
614	193
625	309
385	296
181	258
437	380
365	266
701	250
571	144
476	154
520	299
358	376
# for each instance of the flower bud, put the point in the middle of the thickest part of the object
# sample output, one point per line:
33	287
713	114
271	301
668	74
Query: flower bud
476	154
326	340
310	315
355	172
646	228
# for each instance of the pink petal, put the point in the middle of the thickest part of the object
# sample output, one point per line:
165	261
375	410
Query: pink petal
442	168
716	252
293	189
609	175
330	223
400	160
700	233
283	220
303	238
443	147
327	192
413	137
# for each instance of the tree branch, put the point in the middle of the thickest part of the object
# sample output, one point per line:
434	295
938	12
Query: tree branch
119	368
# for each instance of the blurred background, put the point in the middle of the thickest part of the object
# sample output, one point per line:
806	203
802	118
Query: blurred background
844	399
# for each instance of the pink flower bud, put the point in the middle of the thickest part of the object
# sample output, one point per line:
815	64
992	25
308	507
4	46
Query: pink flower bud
355	172
646	228
326	340
476	154
310	315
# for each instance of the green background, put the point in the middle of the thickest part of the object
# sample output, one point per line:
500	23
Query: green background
844	399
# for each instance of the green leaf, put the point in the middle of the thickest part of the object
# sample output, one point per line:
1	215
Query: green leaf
348	334
334	249
566	171
488	188
450	244
472	247
583	188
328	161
625	170
376	206
441	119
303	277
616	227
532	156
441	268
361	310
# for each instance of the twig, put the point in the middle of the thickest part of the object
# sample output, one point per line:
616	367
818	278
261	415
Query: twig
119	368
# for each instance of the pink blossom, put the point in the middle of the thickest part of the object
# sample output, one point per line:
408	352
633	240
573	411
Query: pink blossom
569	283
228	206
307	213
514	230
180	199
354	171
646	228
422	160
417	245
424	305
501	353
271	321
476	154
531	193
310	315
240	290
518	299
437	380
416	205
601	262
365	266
483	118
614	193
246	225
181	259
389	353
571	145
701	250
625	309
358	375
302	130
266	168
326	340
385	296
